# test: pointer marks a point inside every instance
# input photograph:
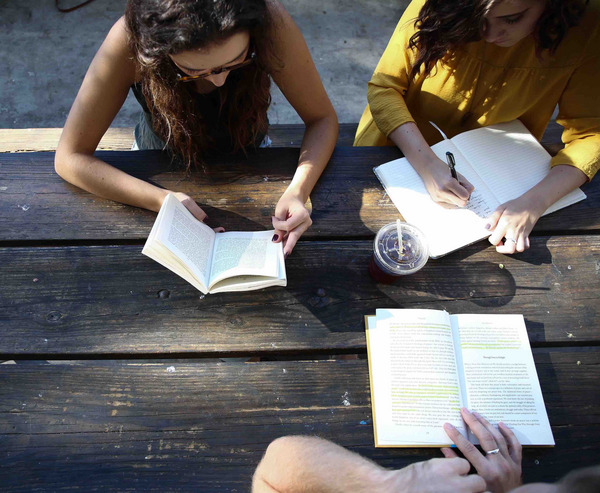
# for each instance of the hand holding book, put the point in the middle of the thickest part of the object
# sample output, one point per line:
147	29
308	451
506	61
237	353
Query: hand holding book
191	205
213	261
500	465
425	365
290	221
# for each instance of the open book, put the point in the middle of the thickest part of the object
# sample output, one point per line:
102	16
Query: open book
501	161
425	365
213	262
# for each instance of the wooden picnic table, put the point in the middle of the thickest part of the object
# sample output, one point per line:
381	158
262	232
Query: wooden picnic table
116	373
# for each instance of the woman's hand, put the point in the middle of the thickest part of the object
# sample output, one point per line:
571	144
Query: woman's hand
290	221
501	470
444	189
196	211
513	221
434	172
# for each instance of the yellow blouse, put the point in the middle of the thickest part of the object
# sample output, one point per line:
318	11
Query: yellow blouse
496	85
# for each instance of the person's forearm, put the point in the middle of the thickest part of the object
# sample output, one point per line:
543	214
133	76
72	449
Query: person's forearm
317	146
413	145
97	177
558	182
301	464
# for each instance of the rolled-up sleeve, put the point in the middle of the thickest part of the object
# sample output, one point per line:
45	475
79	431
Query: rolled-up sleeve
579	114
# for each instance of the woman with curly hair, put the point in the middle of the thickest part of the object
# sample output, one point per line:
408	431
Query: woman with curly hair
201	70
464	64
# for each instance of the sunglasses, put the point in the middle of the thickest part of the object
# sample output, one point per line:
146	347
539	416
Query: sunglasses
216	71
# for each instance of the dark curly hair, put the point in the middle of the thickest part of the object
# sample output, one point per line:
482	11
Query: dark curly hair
444	25
159	28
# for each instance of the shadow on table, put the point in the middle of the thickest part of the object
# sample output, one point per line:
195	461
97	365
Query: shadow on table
330	279
538	254
338	290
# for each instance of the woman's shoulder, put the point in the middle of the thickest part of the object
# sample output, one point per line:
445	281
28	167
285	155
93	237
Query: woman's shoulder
278	14
118	37
406	25
282	36
591	25
583	40
116	50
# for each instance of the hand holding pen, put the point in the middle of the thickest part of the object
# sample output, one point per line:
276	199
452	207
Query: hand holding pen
452	165
445	188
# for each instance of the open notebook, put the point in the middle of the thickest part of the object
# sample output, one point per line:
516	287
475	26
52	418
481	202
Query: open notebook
502	162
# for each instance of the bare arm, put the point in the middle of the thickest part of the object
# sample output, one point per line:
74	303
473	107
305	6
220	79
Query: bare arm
299	82
100	97
300	464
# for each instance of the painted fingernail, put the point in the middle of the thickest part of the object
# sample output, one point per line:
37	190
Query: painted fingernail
275	237
488	226
286	255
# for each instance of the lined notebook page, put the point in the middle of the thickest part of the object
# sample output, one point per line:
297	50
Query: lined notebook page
446	230
509	160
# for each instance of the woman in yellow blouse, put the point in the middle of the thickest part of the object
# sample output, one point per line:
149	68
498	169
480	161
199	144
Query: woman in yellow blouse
466	64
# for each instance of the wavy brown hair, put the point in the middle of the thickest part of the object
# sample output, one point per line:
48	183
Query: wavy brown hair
444	25
159	28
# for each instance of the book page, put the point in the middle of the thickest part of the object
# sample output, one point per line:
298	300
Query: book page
244	253
446	230
416	388
500	377
509	160
189	241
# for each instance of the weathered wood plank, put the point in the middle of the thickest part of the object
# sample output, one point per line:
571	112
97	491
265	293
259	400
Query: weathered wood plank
121	139
36	204
46	139
110	426
111	300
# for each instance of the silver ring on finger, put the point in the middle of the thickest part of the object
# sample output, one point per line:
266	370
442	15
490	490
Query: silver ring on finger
510	239
493	452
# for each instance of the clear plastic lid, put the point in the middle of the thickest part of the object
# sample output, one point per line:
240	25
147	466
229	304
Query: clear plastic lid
401	259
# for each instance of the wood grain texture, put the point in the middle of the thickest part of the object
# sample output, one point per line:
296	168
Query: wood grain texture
113	301
121	139
46	139
237	193
119	426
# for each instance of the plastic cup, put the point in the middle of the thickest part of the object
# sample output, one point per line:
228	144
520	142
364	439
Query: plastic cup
390	261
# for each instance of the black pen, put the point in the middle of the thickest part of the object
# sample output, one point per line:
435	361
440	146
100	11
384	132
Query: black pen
451	165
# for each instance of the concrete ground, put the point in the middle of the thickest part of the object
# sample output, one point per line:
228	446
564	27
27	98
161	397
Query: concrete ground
44	55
